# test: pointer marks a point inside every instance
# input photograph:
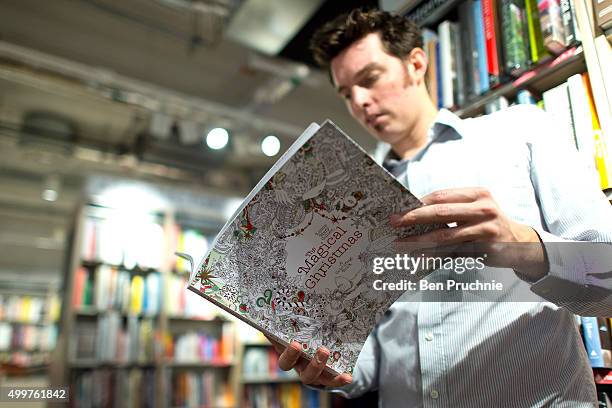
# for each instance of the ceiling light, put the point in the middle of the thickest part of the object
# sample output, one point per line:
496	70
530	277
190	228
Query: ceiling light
270	145
217	138
51	188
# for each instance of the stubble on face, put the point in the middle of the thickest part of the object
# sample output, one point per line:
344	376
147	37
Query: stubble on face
386	114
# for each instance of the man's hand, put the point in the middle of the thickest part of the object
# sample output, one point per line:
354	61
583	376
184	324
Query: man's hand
311	372
478	219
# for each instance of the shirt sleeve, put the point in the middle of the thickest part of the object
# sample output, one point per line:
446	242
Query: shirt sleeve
573	209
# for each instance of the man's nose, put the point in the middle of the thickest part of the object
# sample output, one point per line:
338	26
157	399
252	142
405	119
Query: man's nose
361	98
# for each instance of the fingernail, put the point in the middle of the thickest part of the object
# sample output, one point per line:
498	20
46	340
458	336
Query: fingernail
321	355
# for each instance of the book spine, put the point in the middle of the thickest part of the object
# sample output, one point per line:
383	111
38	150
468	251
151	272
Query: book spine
439	74
603	160
458	66
536	43
483	74
468	48
604	338
491	41
446	63
603	13
556	101
568	23
591	341
551	24
581	115
513	39
524	97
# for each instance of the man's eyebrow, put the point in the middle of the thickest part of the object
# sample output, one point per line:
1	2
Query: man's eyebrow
369	67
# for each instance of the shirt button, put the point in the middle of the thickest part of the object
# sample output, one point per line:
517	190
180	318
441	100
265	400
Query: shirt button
434	394
429	336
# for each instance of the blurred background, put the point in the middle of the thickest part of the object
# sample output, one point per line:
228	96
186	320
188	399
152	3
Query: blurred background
133	129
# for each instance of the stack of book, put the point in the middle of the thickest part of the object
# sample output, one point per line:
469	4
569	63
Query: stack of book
199	347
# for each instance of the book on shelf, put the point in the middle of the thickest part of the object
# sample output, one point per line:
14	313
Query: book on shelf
122	240
199	347
305	236
111	340
551	22
537	49
603	14
200	389
106	287
114	388
592	341
261	363
281	395
515	36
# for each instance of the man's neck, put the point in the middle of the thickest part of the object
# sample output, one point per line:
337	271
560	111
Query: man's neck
416	138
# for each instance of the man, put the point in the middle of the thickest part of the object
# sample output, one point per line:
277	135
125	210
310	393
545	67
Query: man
529	190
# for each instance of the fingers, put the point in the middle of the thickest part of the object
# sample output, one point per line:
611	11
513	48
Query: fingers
456	195
477	232
339	380
314	369
440	213
290	356
311	372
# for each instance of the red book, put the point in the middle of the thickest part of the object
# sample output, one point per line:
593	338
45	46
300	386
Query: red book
489	16
80	277
272	362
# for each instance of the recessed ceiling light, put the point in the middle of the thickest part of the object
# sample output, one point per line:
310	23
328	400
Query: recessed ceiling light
270	145
217	138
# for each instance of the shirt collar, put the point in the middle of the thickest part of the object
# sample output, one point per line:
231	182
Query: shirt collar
444	121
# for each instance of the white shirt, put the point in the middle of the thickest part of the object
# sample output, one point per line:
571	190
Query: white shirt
485	354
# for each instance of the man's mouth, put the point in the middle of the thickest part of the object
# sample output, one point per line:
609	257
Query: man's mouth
375	120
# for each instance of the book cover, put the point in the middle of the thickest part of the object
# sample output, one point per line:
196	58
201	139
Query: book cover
458	66
603	13
295	260
551	24
514	36
557	102
603	159
446	59
468	47
492	40
567	18
591	341
581	116
604	338
481	48
536	43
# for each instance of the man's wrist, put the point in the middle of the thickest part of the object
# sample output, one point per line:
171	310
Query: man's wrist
532	261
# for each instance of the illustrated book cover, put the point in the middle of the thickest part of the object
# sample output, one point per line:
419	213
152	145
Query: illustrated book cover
295	259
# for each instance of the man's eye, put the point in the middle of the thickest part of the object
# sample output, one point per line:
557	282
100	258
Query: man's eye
370	80
346	96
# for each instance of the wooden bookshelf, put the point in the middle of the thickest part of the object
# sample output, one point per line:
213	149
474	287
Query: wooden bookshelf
539	79
165	326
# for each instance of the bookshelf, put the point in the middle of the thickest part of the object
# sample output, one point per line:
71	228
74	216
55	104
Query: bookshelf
29	314
129	326
263	383
487	54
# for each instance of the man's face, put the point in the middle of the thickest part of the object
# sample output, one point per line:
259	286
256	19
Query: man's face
377	88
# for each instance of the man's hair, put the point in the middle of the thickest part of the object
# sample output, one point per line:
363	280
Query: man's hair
398	34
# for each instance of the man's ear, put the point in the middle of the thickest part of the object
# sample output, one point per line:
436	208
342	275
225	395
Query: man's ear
416	62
